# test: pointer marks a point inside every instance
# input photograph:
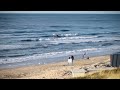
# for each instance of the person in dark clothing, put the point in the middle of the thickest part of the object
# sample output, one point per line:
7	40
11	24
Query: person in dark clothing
72	57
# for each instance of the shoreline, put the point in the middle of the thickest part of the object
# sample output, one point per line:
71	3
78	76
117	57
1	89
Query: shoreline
59	70
47	61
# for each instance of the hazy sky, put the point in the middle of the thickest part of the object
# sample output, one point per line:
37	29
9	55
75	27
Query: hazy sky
64	12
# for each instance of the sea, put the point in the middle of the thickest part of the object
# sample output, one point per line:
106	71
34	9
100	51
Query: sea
37	39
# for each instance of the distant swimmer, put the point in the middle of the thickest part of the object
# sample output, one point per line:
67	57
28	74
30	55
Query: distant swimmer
57	36
37	39
5	59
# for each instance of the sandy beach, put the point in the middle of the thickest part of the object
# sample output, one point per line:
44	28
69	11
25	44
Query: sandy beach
59	70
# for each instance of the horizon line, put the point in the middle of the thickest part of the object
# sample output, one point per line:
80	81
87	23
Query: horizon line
61	12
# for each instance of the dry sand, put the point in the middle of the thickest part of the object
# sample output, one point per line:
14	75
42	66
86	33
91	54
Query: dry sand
49	71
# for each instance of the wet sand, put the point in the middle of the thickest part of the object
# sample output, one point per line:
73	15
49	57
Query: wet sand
59	70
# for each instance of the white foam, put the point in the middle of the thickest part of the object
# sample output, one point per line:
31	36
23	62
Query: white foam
69	34
40	56
40	39
10	47
80	39
77	39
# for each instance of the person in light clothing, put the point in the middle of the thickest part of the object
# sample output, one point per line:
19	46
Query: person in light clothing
70	61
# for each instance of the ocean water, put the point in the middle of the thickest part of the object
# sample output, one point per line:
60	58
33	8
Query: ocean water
28	39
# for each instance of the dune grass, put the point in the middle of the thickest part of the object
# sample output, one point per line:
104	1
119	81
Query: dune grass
105	74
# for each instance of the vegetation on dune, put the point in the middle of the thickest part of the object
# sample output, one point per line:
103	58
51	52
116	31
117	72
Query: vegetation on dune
105	74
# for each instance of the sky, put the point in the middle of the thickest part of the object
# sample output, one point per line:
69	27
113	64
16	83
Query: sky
64	12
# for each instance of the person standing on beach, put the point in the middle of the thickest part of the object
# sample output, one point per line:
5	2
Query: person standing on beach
70	61
72	57
84	55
